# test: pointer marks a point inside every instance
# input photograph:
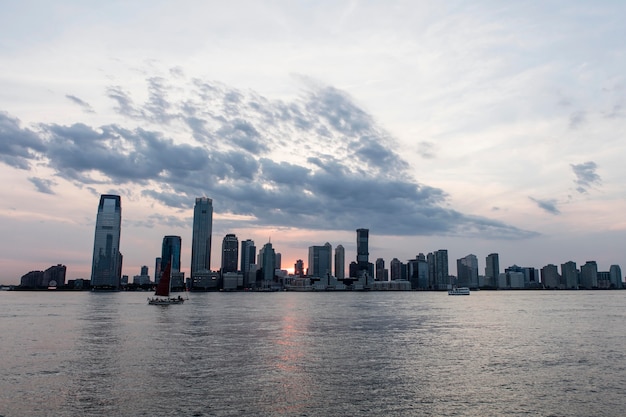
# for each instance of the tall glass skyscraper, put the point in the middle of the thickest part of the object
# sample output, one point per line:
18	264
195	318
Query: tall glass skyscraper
201	237
106	266
170	252
248	255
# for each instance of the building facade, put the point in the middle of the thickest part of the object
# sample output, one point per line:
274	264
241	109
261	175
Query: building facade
230	253
248	255
340	262
320	260
201	235
106	265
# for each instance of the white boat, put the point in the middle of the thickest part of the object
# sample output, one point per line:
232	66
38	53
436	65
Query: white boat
162	293
459	291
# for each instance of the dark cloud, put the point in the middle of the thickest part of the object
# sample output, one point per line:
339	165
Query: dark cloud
586	176
547	205
86	106
43	185
317	162
18	146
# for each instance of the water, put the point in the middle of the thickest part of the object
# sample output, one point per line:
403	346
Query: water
314	354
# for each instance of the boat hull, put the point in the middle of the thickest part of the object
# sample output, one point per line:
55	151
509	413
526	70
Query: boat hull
459	291
165	301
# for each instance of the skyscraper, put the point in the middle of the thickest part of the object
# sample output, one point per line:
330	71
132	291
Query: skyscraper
230	253
106	266
492	270
438	269
267	261
615	273
467	271
248	255
340	262
320	260
569	275
170	252
201	237
362	246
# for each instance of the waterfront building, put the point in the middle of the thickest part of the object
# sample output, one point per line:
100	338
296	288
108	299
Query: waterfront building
467	271
54	276
248	255
363	265
320	260
438	276
417	272
298	268
492	270
380	270
201	236
106	265
396	269
569	275
550	277
267	262
230	253
157	270
170	252
278	260
589	275
615	273
340	262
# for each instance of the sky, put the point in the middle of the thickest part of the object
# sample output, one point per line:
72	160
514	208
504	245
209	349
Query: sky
475	127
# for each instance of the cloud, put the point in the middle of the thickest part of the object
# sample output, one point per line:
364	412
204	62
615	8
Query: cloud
576	119
18	146
426	150
548	205
258	158
43	185
586	176
86	106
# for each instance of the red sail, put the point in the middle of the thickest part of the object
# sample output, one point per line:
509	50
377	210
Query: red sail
163	287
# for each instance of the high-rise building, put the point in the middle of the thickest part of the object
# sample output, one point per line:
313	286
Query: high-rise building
320	260
362	246
589	275
170	252
363	265
267	261
230	253
248	255
396	269
417	272
380	269
106	266
340	262
467	271
615	273
492	270
438	275
201	236
157	270
298	268
550	277
569	275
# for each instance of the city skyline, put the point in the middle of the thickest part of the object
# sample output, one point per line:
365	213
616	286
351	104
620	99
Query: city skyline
476	127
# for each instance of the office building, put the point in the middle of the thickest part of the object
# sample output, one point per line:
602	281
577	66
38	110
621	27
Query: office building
615	273
550	277
230	253
320	260
492	270
467	271
569	275
201	235
106	265
248	255
340	262
589	275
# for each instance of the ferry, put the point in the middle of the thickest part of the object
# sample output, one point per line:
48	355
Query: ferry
459	291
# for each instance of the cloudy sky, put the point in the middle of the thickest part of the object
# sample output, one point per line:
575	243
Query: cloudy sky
476	127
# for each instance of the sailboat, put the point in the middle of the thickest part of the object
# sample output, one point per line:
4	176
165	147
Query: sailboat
162	293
